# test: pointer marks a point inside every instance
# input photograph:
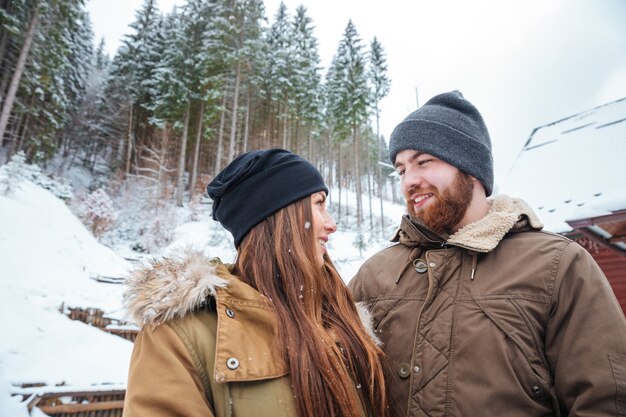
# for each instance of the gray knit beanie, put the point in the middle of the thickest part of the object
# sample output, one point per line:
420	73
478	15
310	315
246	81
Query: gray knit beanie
450	128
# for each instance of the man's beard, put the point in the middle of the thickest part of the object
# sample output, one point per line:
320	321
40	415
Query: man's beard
448	207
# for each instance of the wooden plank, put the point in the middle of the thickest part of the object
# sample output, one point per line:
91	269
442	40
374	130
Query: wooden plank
109	279
77	408
60	392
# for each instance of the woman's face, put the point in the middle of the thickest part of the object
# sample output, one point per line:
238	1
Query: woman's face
323	224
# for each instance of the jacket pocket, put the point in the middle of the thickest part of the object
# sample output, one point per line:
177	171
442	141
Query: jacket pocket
532	369
380	309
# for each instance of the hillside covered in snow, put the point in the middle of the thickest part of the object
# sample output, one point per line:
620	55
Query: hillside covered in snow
50	263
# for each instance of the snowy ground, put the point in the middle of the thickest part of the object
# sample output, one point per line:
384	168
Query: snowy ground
48	259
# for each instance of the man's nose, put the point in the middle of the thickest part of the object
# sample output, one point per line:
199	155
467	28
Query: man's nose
411	179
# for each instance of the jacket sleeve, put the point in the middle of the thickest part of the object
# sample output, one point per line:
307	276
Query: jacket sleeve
163	380
353	287
358	285
586	339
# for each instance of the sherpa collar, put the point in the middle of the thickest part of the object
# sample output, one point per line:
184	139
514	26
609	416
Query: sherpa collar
506	214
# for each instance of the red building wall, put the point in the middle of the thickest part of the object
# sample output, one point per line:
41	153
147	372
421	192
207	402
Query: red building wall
612	264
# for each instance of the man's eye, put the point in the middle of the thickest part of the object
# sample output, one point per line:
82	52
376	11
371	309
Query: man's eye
423	162
400	172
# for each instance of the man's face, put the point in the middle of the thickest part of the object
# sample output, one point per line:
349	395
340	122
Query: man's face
436	192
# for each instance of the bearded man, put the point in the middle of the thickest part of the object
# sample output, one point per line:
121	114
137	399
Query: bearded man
482	313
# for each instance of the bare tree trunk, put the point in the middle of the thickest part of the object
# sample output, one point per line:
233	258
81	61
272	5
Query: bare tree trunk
181	160
220	138
339	178
165	137
274	126
296	136
309	145
379	172
7	106
357	178
196	154
18	138
269	124
329	151
233	123
246	130
129	140
284	122
4	80
287	133
369	186
379	175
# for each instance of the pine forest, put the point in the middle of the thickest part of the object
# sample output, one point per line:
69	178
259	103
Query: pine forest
186	93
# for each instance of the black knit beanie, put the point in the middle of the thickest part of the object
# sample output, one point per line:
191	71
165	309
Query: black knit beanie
257	184
450	128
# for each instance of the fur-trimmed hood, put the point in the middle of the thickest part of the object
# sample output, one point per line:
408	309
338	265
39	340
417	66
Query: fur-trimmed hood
506	214
173	287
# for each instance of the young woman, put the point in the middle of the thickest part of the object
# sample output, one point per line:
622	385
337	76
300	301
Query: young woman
276	333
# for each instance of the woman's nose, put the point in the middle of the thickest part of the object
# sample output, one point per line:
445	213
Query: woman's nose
329	224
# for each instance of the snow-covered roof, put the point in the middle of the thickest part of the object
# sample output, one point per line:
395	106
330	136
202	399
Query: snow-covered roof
574	168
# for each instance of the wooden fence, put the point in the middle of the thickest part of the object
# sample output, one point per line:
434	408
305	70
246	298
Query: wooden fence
63	401
96	317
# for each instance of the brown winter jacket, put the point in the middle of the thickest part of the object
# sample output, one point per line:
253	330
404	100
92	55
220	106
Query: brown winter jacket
207	344
499	319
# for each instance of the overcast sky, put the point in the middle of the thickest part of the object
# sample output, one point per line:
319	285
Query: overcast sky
524	64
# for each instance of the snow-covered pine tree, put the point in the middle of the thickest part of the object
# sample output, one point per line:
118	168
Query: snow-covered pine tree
237	37
165	110
256	52
91	134
19	24
134	72
307	83
81	135
242	41
202	10
280	76
206	26
187	40
350	99
333	125
12	173
14	16
167	105
48	80
380	85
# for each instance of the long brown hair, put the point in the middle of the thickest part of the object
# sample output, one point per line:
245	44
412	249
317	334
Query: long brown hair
334	365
